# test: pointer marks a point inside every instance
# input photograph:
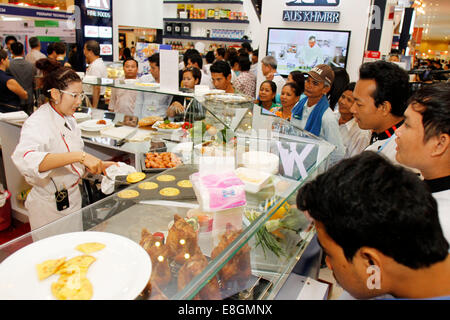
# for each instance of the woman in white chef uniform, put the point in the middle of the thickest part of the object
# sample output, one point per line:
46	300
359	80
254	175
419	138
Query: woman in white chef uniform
50	154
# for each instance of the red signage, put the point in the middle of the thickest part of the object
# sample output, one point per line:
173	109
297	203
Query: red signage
372	54
417	35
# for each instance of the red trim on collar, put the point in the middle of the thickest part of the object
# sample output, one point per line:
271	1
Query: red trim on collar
28	153
56	110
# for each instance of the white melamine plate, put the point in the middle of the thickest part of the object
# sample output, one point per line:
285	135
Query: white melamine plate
91	125
156	126
81	116
121	270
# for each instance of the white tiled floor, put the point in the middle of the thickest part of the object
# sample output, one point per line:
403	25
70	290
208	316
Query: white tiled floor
327	275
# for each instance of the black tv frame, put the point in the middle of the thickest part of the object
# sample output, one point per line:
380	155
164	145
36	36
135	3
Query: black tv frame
316	30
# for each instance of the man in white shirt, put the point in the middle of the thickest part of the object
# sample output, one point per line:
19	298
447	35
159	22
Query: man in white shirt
97	69
311	55
423	142
196	60
149	103
35	54
380	101
122	101
254	59
355	140
269	67
314	114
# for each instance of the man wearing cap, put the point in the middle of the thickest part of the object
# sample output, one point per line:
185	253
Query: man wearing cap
313	113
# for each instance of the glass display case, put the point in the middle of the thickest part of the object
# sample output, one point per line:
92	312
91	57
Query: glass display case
200	247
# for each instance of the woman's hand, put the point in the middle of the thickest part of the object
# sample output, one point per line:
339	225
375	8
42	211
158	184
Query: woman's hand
106	165
174	109
93	165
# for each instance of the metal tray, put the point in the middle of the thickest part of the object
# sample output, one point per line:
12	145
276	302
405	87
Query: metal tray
153	170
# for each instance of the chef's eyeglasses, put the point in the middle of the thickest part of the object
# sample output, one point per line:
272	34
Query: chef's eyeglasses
81	96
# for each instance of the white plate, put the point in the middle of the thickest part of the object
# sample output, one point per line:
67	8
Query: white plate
91	125
155	126
121	271
81	116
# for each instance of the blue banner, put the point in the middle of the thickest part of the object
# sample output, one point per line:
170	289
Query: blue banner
35	13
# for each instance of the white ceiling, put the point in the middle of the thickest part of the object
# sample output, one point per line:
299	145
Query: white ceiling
436	20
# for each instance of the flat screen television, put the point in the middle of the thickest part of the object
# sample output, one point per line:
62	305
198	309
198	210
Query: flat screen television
302	49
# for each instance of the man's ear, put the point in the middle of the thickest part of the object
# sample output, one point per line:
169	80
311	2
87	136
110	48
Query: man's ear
441	145
326	89
385	107
229	77
369	266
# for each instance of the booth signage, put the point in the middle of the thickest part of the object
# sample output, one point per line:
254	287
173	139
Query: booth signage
311	16
314	3
35	13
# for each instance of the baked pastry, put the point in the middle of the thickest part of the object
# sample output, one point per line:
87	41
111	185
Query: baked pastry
237	271
182	241
149	121
192	268
157	251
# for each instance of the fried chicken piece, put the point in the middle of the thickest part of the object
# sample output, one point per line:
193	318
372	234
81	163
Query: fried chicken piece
155	292
192	268
238	269
182	241
158	252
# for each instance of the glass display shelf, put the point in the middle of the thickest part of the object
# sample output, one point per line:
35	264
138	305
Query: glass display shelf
239	253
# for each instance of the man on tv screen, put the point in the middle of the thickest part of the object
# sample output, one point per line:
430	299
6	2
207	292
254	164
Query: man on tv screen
311	54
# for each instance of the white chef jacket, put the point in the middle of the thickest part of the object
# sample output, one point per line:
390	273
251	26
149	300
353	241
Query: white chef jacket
151	104
44	132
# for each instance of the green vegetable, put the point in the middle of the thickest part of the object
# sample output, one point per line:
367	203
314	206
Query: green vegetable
167	121
193	222
293	220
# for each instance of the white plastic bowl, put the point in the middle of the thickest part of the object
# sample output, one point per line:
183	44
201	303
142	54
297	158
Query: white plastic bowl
261	161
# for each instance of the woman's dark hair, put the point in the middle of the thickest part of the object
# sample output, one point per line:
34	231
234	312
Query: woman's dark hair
396	214
210	57
56	78
392	84
340	82
433	103
47	65
294	87
221	67
244	63
196	73
230	52
350	87
3	55
242	52
127	53
299	79
246	46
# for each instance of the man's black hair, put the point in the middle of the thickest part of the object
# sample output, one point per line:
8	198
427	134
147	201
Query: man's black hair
221	67
376	204
244	63
233	60
58	47
17	49
3	55
196	58
154	58
9	38
392	84
221	52
131	59
255	53
34	42
187	54
350	86
93	46
246	45
433	102
210	57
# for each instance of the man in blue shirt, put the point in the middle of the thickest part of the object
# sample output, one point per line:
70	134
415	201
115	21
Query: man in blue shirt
379	229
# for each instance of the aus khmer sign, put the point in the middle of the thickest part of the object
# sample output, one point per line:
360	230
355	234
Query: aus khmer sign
311	16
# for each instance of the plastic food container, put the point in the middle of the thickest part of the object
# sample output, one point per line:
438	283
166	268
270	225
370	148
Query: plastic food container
254	180
261	161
